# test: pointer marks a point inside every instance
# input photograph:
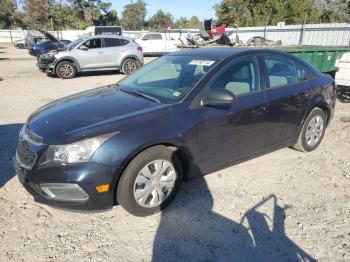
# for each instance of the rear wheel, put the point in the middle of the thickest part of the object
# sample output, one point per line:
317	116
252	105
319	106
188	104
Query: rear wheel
150	181
129	66
312	131
66	70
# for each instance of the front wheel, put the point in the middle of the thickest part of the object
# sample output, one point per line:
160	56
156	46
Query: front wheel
312	131
66	70
150	181
129	66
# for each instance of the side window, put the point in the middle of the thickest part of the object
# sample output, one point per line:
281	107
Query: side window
152	37
241	77
303	73
93	43
112	42
281	71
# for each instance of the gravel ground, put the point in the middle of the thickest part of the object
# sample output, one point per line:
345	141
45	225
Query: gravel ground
284	206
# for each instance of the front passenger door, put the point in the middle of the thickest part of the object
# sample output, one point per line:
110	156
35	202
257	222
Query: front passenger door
239	130
90	54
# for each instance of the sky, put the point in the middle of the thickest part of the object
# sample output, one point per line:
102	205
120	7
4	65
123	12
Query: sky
187	8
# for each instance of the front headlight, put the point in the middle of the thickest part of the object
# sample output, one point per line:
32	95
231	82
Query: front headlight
77	152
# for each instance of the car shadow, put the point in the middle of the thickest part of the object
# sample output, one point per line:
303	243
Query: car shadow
8	143
99	73
190	230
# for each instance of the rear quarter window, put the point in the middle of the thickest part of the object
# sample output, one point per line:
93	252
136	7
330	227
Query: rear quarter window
281	71
303	72
113	42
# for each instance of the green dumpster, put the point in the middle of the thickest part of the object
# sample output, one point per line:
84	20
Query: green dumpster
323	58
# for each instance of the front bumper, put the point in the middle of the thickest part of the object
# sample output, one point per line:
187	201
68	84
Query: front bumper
43	63
50	69
85	175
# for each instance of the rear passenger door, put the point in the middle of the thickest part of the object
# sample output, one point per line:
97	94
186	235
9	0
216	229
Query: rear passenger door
113	49
288	97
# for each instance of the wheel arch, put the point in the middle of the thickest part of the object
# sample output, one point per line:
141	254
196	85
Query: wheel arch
324	107
130	57
69	59
181	152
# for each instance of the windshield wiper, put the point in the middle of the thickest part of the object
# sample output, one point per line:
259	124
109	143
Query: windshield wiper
137	93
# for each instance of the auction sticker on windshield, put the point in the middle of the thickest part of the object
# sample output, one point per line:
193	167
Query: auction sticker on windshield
202	62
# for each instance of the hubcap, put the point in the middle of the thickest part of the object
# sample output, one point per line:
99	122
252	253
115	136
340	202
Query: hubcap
154	183
130	66
66	70
314	130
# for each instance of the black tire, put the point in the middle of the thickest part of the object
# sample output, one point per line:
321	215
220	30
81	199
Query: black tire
302	144
129	66
125	189
66	70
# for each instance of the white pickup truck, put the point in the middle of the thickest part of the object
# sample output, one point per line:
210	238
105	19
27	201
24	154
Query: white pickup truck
154	43
342	77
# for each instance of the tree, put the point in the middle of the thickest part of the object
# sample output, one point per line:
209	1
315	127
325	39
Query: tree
183	22
161	20
233	12
334	11
260	12
36	13
9	16
194	22
134	15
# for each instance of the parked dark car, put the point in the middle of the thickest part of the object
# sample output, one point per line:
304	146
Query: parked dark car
32	38
46	46
182	116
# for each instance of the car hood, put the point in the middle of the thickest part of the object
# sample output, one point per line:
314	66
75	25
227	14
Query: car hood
50	37
92	113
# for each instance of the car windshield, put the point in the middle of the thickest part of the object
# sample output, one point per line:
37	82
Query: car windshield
75	43
167	79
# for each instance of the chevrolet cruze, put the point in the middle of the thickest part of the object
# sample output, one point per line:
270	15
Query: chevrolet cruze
183	115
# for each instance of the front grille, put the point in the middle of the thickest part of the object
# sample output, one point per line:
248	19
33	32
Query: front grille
26	157
44	62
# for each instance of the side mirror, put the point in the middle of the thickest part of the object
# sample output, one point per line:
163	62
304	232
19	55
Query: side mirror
218	97
84	48
145	39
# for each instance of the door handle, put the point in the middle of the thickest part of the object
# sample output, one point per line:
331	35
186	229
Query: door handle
100	53
259	110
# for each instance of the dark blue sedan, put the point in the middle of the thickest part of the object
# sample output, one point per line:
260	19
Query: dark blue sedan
182	116
46	46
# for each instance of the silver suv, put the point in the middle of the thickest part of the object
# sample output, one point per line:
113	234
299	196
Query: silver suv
95	53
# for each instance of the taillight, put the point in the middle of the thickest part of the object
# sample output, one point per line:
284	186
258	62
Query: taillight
139	48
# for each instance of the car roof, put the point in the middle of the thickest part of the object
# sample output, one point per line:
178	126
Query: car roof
109	36
224	52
